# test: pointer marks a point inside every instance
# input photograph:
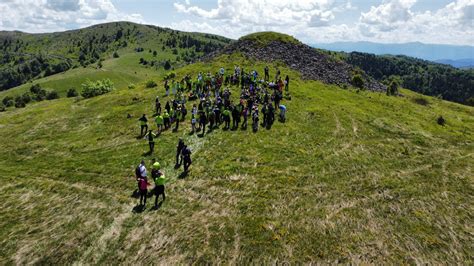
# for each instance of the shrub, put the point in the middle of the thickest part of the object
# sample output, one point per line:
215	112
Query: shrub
2	108
19	102
421	101
131	86
357	81
40	95
26	98
8	101
441	121
151	84
170	75
116	55
470	101
167	65
392	88
99	87
35	88
72	93
51	95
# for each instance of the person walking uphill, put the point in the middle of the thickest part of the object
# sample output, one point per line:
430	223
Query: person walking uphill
141	175
143	124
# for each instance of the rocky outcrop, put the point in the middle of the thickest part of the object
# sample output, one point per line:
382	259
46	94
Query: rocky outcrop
311	63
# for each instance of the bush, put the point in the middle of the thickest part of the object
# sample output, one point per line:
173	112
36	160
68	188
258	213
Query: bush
151	84
72	93
99	87
19	102
357	81
441	121
421	101
116	55
2	108
167	65
35	88
26	98
8	101
170	75
392	88
51	95
131	86
40	96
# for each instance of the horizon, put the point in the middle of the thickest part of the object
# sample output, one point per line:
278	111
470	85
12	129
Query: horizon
311	21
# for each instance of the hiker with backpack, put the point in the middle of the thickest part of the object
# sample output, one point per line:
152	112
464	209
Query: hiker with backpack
159	179
141	175
143	125
166	119
159	120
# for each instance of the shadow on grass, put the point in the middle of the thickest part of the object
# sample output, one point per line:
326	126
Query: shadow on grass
135	194
148	153
138	208
158	206
183	175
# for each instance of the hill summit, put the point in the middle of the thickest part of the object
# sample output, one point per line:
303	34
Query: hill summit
311	63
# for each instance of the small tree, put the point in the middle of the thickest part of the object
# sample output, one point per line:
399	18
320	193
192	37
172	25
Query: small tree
392	88
52	95
357	81
116	55
441	121
26	98
151	84
167	65
8	101
72	93
154	53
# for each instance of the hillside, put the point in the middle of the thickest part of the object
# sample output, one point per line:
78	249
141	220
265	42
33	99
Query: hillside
25	57
418	75
353	176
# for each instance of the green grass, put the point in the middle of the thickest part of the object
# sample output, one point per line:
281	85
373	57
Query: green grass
265	37
352	177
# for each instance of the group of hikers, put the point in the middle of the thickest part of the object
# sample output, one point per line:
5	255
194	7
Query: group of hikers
183	156
259	100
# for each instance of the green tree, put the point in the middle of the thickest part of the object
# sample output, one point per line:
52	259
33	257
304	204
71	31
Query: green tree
357	81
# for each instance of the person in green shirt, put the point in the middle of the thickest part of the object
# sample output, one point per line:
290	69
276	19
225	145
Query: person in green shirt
166	119
151	140
159	123
143	124
160	180
226	114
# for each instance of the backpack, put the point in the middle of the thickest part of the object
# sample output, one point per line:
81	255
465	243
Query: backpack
138	173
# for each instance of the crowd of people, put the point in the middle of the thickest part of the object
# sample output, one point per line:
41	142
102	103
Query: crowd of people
259	100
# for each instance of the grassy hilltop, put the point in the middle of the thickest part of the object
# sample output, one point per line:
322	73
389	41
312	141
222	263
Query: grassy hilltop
352	176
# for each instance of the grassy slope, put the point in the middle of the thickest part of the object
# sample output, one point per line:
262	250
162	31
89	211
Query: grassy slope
350	177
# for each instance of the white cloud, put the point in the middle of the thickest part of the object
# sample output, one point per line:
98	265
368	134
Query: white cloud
58	15
268	13
395	21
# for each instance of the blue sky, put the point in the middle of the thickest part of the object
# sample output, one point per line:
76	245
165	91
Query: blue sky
312	21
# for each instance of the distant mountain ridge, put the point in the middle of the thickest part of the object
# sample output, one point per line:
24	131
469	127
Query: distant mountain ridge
460	63
431	52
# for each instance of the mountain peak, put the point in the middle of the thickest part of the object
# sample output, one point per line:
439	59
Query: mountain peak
266	37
